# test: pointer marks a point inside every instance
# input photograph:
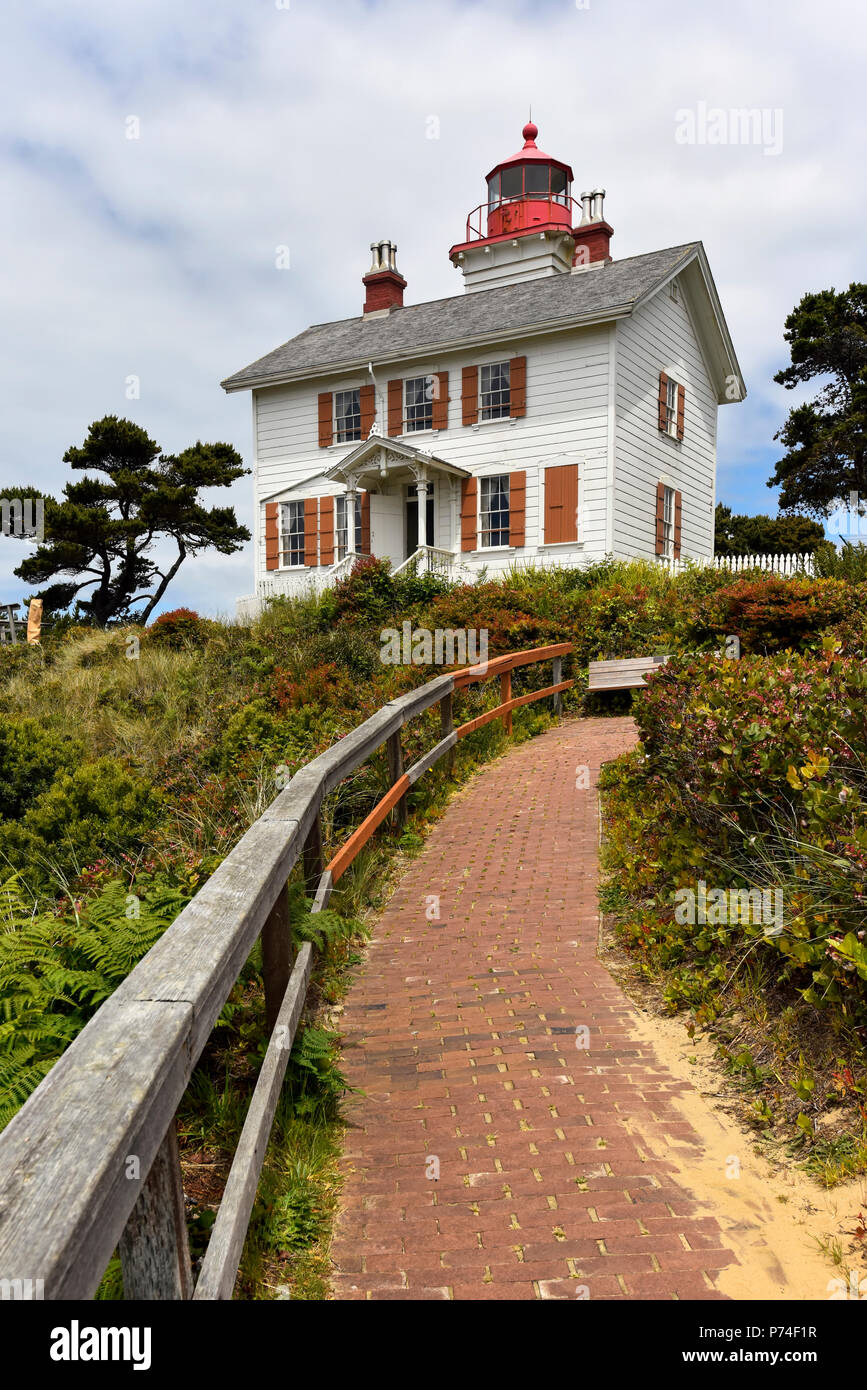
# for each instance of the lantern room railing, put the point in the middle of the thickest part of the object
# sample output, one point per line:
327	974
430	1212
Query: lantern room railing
542	211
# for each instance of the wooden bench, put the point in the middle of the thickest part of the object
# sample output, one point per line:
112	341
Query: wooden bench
622	675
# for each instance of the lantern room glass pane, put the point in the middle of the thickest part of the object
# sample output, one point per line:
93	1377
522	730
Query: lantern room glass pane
536	179
493	190
512	183
559	185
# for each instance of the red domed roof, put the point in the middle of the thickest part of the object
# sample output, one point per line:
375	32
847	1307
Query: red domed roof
530	154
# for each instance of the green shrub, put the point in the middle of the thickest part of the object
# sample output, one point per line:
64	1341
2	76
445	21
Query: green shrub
751	776
769	614
179	628
30	757
96	811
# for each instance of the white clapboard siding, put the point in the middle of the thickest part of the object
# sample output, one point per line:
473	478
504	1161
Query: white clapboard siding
660	337
566	422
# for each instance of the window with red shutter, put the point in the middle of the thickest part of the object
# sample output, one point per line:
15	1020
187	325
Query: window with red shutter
440	412
678	518
468	514
662	403
326	530
518	387
272	536
561	503
326	419
367	402
395	407
517	507
660	518
470	395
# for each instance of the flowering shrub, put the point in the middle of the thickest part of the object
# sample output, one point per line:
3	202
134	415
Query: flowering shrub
771	614
751	774
181	627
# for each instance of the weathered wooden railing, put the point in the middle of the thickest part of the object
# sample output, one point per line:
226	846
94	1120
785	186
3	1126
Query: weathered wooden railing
90	1163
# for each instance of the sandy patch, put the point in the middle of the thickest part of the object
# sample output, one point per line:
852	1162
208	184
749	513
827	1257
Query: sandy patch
778	1221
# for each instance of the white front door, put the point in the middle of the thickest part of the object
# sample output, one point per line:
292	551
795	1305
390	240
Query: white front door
386	527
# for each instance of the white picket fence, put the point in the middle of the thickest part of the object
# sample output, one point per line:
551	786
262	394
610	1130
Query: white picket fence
786	566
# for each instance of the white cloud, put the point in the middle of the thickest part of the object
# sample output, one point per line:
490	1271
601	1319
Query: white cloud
306	126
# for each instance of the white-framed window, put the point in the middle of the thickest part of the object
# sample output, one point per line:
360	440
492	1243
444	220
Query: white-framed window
494	391
494	510
347	416
668	522
418	394
340	524
671	389
291	533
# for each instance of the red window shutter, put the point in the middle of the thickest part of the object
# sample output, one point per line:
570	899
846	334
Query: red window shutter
440	412
681	403
395	407
517	507
662	400
367	401
326	530
272	536
326	420
660	518
470	395
365	523
468	514
678	511
561	503
311	529
518	388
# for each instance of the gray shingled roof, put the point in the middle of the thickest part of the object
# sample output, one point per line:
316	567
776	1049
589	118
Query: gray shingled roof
505	310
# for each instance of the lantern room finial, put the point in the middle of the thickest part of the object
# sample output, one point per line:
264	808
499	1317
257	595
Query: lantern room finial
529	133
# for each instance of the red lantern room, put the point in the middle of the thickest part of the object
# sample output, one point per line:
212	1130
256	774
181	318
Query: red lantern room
529	190
525	229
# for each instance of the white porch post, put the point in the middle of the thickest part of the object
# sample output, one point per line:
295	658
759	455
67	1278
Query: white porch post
351	539
421	493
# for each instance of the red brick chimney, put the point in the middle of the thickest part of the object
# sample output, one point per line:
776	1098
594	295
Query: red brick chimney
593	233
383	282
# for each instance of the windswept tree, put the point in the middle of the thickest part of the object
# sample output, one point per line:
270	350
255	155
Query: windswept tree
99	538
825	438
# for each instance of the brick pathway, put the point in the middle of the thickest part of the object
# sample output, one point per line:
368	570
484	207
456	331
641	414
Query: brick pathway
462	1032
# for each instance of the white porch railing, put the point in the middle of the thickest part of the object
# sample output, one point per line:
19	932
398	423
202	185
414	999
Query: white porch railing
783	565
429	559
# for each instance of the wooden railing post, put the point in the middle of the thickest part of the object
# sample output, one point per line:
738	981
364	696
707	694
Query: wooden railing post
154	1248
557	698
395	772
276	957
312	853
505	695
446	727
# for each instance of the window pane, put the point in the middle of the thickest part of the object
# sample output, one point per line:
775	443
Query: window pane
536	179
494	394
292	533
419	403
494	495
494	190
558	180
347	415
513	185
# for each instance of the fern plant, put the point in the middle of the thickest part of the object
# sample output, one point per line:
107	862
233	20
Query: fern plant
56	971
324	928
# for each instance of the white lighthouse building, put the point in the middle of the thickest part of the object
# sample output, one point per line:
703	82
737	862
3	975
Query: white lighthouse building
562	409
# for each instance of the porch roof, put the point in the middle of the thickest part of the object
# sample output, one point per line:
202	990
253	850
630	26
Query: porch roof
378	459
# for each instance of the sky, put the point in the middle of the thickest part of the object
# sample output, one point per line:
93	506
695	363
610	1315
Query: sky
155	156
